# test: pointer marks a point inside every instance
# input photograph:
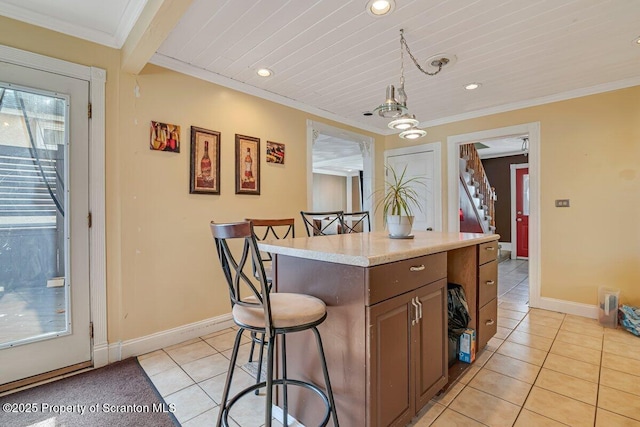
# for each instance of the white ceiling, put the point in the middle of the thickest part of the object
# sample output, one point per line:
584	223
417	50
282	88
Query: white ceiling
336	156
107	22
333	59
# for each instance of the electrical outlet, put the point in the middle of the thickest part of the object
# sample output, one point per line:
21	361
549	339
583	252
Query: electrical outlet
562	203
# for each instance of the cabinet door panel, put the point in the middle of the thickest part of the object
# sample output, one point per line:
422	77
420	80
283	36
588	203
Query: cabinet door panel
487	283
392	385
487	323
431	342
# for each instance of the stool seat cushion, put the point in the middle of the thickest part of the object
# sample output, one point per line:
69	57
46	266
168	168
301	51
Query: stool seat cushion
287	310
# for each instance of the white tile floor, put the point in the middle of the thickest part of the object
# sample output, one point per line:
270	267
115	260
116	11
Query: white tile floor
541	369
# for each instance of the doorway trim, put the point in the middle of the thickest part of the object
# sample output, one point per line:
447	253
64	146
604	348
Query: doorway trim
97	78
453	173
367	147
512	184
437	173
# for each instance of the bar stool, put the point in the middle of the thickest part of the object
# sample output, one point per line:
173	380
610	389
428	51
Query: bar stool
267	229
323	223
356	222
273	314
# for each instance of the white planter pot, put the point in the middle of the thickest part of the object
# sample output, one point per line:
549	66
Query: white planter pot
399	225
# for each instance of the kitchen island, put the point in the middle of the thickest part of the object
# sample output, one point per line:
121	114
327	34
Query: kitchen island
385	336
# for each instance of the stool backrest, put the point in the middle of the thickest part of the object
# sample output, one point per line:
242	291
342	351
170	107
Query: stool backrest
323	223
244	289
357	222
272	229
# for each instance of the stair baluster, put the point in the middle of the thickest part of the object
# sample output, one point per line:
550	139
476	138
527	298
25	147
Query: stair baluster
469	153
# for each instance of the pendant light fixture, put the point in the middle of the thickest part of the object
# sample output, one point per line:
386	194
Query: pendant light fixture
396	107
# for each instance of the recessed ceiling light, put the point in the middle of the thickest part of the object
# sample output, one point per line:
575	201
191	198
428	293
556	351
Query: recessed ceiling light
264	72
379	8
637	41
472	86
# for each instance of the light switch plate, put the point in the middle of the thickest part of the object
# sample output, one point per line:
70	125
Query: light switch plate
562	203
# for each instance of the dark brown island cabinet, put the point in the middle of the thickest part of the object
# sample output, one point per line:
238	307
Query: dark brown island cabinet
385	336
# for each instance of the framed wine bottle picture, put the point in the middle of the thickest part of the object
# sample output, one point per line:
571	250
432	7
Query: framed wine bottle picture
247	165
204	175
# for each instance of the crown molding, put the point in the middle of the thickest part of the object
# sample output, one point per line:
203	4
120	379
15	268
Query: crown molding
128	18
181	67
577	93
184	68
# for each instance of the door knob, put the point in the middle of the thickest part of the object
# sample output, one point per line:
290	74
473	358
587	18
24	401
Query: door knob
519	219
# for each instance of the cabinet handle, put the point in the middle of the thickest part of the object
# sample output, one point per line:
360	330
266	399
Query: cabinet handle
417	268
489	322
490	282
415	306
419	308
490	248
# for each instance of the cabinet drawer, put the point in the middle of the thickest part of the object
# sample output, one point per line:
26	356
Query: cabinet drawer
388	280
487	283
488	252
487	323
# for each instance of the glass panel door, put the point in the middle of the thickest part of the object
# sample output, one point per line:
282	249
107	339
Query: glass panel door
44	235
33	299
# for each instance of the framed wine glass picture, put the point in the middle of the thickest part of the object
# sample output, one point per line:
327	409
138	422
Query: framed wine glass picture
247	165
204	175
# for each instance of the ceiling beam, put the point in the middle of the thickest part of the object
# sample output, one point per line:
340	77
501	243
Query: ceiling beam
154	25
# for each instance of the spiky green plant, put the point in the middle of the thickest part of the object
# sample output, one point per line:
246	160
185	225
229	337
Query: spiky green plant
399	194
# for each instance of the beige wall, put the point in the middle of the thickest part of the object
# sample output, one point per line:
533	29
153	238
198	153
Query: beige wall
329	192
589	153
170	276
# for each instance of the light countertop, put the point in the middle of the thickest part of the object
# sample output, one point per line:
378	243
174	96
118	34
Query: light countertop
369	249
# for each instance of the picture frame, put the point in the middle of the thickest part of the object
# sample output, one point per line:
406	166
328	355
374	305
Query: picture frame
204	175
164	137
247	165
275	153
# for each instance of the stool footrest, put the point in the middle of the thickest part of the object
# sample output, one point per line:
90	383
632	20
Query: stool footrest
279	381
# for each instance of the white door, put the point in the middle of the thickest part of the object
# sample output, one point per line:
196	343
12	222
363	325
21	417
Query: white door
421	161
44	235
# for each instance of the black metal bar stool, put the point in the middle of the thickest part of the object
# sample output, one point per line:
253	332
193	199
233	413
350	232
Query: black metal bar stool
267	229
273	314
356	222
323	223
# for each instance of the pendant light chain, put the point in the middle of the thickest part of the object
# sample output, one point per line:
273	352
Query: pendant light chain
403	42
401	61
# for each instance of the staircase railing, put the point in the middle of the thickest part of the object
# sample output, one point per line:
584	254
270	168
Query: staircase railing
479	177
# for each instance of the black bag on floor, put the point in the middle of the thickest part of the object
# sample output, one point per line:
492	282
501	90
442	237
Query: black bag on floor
458	310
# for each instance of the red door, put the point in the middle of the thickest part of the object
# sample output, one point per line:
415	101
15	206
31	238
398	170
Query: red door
522	213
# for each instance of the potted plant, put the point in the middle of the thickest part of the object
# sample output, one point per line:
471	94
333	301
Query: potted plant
399	197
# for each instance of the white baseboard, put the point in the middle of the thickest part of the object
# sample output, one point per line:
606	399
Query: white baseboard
505	246
100	355
567	307
137	346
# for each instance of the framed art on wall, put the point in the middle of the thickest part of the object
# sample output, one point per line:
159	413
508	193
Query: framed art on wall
247	165
164	137
275	152
204	177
